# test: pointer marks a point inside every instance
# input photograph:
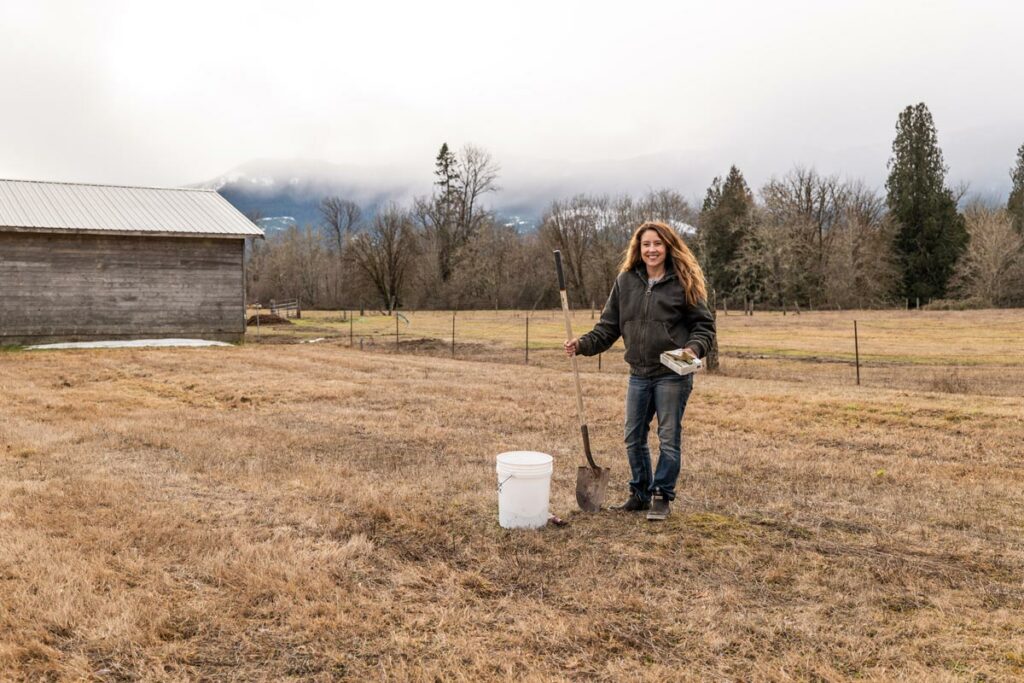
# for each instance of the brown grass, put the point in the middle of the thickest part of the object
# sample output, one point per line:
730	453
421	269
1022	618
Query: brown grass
310	512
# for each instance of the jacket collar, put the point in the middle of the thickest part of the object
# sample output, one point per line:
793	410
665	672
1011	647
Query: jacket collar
641	272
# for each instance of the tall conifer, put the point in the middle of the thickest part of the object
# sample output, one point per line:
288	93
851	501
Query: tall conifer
1015	206
930	233
725	221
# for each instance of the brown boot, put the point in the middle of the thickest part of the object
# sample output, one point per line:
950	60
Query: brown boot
660	509
632	504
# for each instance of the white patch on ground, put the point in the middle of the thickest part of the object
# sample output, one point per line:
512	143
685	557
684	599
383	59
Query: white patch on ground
132	343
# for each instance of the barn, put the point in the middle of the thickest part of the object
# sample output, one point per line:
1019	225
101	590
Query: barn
95	262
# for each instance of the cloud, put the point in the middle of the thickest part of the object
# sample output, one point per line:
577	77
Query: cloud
158	93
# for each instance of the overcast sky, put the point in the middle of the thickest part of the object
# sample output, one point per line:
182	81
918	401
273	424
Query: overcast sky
172	93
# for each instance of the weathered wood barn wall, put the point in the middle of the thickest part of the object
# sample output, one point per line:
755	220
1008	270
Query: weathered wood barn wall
90	262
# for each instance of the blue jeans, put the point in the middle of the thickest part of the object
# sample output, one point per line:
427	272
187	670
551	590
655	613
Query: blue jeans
665	396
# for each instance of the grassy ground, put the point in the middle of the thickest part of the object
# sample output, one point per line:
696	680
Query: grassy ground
313	512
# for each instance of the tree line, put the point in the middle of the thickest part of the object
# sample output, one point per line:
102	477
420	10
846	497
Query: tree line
803	239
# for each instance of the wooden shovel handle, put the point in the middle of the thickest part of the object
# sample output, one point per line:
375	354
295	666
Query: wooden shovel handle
575	369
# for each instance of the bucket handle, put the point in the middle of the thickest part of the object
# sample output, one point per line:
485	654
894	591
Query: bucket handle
502	482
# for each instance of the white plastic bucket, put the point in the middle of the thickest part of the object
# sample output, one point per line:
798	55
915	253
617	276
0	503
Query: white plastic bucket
524	487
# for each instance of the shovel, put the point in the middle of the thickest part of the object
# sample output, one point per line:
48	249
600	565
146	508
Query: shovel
591	480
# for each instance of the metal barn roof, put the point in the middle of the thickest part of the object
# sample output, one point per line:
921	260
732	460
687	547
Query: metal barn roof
34	206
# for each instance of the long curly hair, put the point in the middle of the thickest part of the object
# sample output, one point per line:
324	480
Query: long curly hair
689	272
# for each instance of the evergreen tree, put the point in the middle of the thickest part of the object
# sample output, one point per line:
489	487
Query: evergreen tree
446	170
726	220
930	233
1015	206
444	211
453	214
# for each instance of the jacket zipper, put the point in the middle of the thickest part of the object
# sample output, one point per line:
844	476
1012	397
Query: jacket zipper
647	306
648	292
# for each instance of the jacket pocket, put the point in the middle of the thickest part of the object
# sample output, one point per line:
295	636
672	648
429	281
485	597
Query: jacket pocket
661	340
632	342
656	340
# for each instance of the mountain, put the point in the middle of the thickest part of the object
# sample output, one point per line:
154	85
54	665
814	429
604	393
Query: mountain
288	192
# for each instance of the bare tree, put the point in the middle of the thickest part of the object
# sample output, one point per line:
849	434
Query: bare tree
573	228
862	204
862	270
669	207
386	252
490	267
290	264
614	221
991	270
769	262
341	217
453	215
593	231
812	203
860	265
477	175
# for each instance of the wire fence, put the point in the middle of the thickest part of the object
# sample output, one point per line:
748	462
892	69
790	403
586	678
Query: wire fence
964	352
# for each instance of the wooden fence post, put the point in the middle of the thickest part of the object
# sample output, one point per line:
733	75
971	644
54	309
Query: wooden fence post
856	350
711	359
453	334
527	338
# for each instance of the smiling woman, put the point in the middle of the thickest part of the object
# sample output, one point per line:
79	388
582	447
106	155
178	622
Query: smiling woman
658	303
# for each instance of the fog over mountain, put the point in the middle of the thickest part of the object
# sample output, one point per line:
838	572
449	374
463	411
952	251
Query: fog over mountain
605	99
286	192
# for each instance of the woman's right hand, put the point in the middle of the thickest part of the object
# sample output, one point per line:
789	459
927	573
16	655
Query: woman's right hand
571	347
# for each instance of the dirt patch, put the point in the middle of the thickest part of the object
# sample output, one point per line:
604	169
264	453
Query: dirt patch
267	319
425	346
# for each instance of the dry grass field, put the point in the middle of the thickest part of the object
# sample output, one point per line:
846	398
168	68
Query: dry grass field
311	512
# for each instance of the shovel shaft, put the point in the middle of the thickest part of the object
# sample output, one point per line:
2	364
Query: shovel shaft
586	446
575	368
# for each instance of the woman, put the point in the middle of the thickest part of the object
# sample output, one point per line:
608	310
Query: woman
658	303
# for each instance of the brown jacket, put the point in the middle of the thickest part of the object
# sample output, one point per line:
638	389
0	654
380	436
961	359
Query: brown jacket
650	320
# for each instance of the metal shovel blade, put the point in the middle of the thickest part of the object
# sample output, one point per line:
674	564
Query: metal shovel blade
591	486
